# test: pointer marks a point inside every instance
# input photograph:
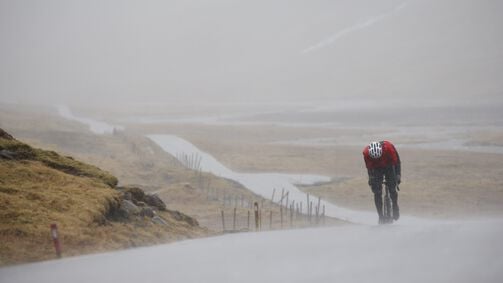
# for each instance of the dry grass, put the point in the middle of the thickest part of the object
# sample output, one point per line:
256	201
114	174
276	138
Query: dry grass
32	196
435	183
23	151
40	187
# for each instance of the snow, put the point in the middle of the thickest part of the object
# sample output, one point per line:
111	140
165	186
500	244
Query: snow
264	183
97	127
455	252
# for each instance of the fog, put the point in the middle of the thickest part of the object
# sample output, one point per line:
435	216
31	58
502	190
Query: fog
118	53
269	95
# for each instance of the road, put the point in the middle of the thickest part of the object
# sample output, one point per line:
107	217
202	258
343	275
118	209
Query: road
446	252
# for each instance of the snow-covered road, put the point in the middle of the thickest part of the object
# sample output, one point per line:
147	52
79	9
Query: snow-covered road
454	252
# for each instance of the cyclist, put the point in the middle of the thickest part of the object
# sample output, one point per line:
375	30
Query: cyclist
382	161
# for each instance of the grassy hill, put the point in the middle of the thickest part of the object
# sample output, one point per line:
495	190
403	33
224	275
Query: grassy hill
38	188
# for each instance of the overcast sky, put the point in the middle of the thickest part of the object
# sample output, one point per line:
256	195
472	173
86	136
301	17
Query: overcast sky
227	50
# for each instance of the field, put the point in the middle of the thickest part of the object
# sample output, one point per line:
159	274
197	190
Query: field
437	181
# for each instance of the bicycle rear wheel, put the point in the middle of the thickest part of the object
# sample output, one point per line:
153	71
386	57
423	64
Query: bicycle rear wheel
387	209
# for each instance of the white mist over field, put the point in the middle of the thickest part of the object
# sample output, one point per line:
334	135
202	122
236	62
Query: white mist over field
426	72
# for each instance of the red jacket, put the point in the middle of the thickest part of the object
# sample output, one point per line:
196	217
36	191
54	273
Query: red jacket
389	157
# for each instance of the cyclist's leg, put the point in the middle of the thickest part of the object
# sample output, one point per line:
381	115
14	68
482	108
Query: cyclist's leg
376	179
391	184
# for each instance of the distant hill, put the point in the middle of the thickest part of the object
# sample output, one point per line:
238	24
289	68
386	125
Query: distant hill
39	187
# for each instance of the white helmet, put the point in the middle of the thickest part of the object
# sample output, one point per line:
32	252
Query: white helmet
375	150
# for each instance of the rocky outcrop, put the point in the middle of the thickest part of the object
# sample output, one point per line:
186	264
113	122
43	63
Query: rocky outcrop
139	197
7	154
129	207
5	135
137	203
155	201
182	217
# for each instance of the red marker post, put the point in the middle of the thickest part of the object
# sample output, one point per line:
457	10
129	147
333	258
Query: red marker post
55	239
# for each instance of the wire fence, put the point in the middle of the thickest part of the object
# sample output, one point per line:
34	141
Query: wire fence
246	212
239	214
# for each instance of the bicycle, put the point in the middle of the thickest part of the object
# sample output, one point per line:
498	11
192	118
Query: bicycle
387	205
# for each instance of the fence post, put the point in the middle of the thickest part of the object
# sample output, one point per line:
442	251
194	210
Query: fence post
55	239
323	215
286	203
291	215
234	221
270	220
256	215
260	218
311	212
223	221
318	208
308	213
248	220
281	216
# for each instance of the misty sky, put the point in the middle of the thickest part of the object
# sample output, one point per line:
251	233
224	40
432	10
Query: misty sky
227	50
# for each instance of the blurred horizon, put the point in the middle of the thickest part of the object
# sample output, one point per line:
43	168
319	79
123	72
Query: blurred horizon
348	53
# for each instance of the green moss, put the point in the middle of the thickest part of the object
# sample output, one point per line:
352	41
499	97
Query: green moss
23	151
74	167
54	160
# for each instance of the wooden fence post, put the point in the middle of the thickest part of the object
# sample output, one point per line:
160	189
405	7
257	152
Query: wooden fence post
323	215
223	221
308	212
55	239
281	216
318	208
311	212
234	221
260	218
286	203
291	215
248	220
270	220
256	216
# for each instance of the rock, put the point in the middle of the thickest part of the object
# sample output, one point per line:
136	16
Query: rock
127	196
158	220
135	194
7	154
155	201
130	207
120	214
147	211
182	217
